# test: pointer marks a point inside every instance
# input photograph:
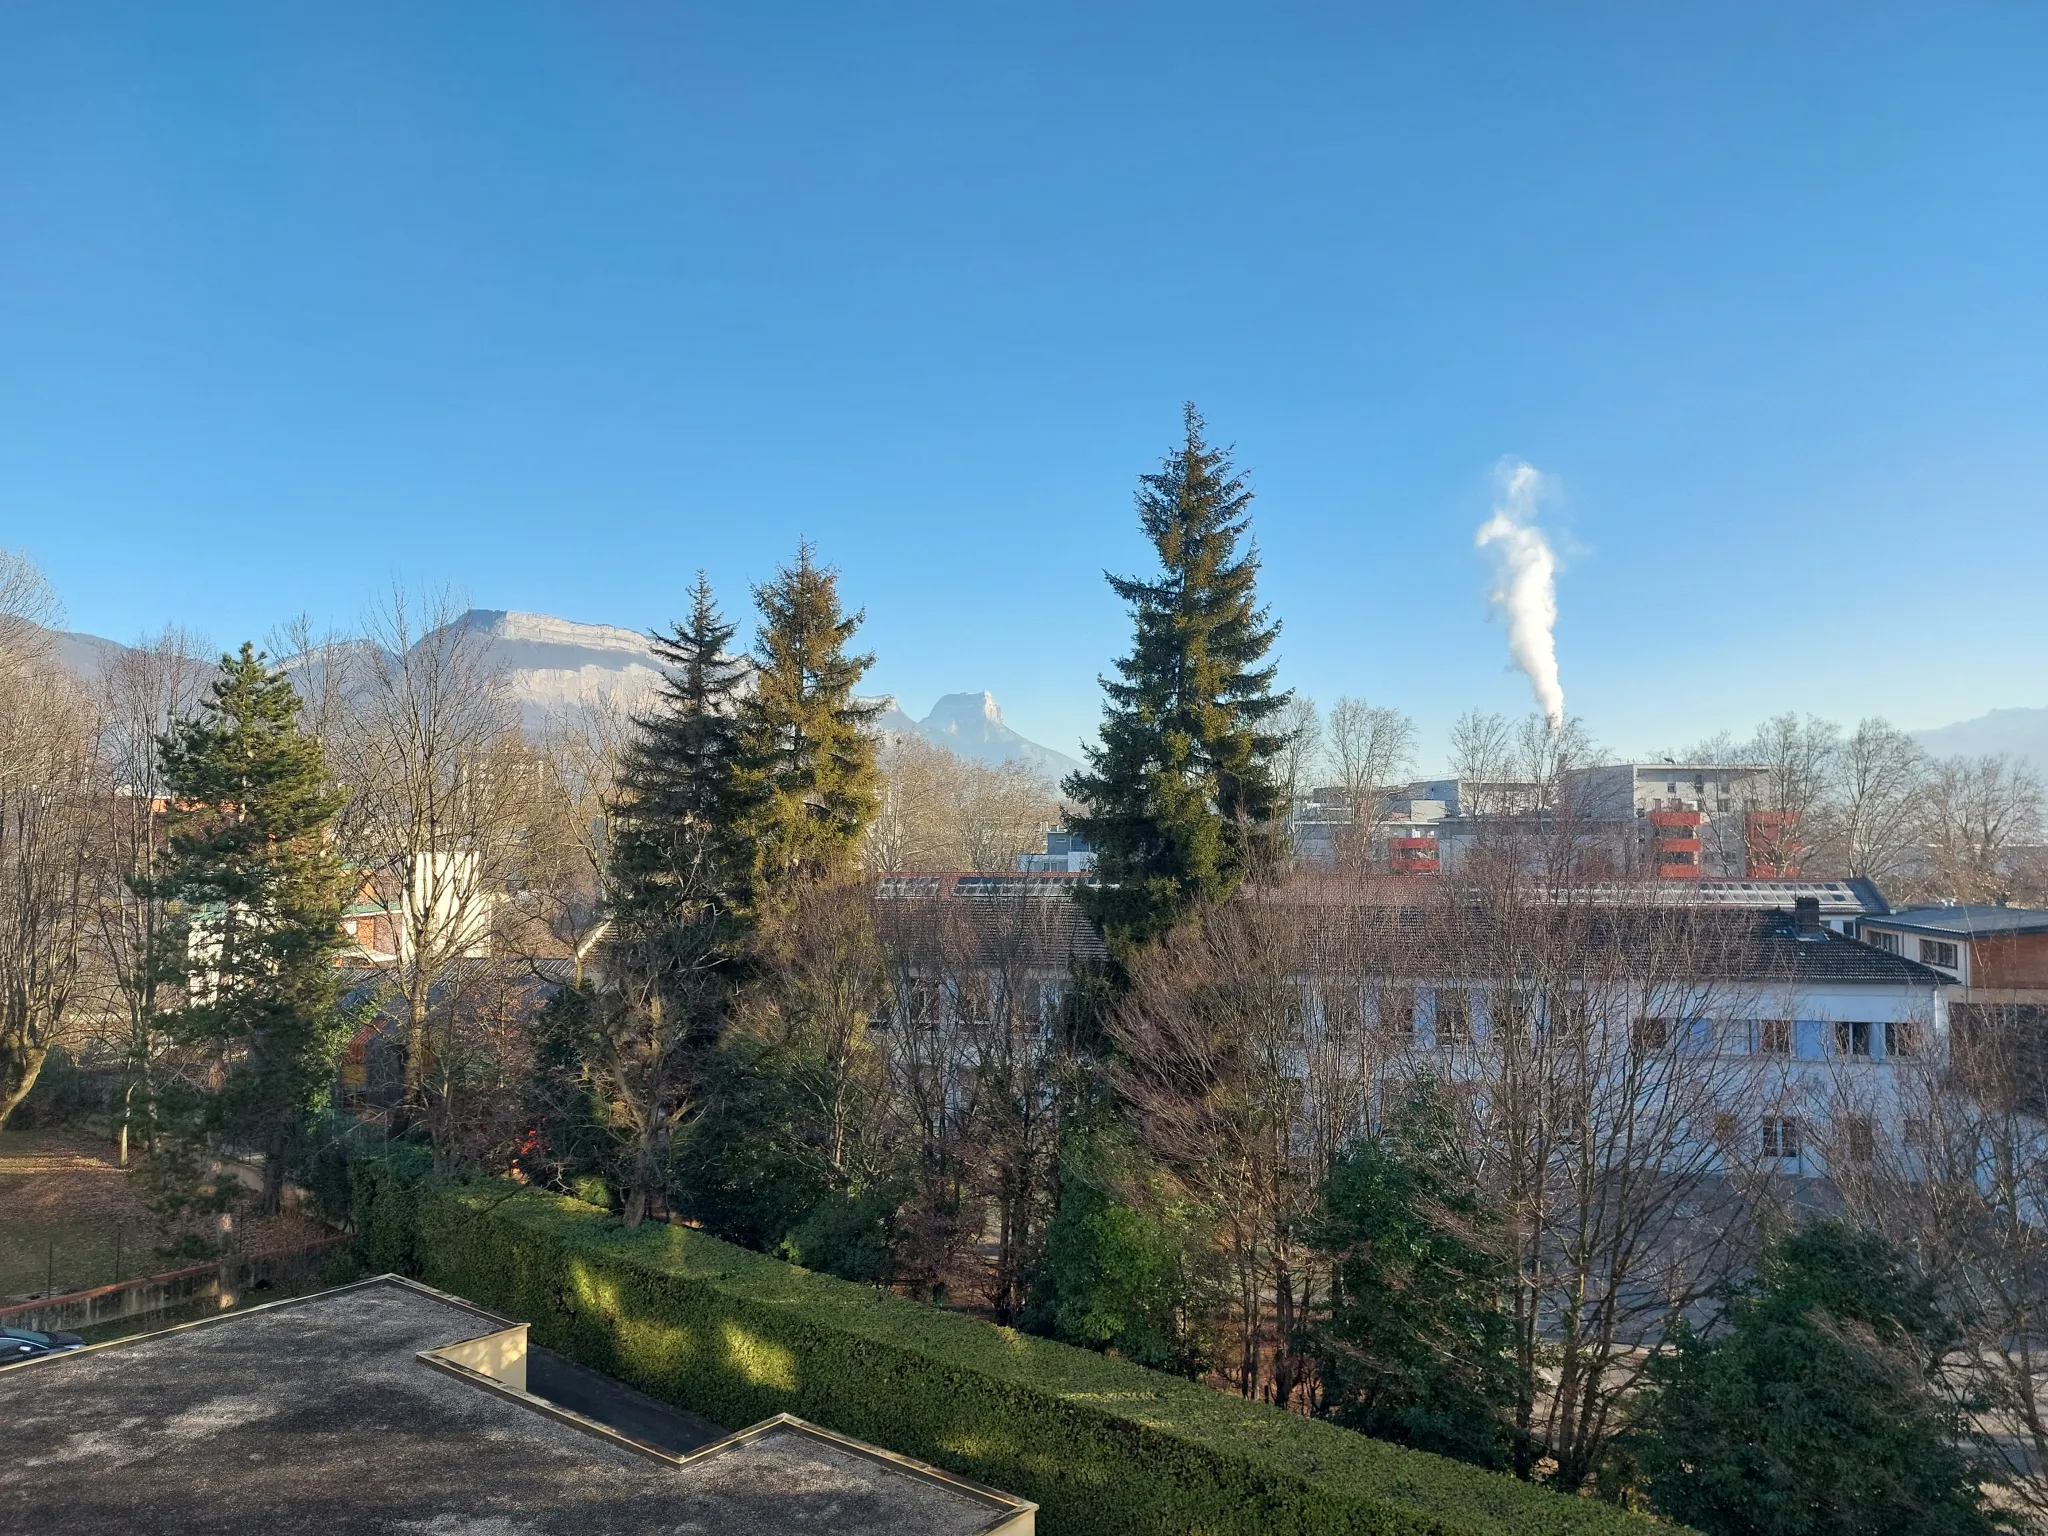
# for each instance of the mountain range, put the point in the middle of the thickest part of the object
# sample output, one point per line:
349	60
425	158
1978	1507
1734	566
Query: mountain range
2015	732
551	665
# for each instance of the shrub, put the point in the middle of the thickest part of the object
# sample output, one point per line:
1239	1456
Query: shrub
1817	1410
1101	1444
1418	1347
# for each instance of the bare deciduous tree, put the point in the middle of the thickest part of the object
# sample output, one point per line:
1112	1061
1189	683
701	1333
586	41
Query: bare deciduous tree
1300	729
1483	755
1949	1160
432	758
943	811
1370	746
1978	813
50	780
1209	1040
566	843
1799	759
975	1067
144	692
1872	817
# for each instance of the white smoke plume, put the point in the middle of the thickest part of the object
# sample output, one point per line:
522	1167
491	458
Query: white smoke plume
1525	585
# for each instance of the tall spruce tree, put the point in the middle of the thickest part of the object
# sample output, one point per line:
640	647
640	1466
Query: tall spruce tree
678	833
258	891
1180	798
808	741
679	899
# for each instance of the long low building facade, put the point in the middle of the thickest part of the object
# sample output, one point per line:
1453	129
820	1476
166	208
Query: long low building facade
1784	1034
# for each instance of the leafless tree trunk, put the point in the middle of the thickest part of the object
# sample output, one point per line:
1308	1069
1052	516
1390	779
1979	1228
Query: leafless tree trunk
50	778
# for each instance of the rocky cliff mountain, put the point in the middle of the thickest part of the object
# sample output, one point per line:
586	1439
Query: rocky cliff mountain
550	665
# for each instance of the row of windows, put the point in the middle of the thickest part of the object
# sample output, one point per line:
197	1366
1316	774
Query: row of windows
1784	1135
1942	952
1452	1018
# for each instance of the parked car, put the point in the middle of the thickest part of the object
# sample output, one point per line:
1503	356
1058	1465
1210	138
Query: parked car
27	1344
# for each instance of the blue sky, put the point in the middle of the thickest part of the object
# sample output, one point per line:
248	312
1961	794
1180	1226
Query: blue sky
559	302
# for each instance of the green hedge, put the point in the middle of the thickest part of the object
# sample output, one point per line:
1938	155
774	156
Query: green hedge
1101	1445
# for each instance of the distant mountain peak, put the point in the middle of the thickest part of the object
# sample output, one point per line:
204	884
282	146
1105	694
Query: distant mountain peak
972	725
957	711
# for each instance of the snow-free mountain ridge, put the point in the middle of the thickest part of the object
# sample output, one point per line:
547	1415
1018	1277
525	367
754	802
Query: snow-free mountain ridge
552	665
2013	732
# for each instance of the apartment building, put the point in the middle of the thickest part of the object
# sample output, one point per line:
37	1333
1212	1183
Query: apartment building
1691	821
1671	821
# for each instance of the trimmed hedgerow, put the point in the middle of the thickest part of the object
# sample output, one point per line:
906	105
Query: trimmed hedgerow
1101	1445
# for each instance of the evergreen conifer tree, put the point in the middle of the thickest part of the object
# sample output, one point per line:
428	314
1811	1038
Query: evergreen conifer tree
678	832
1180	797
1417	1347
1818	1409
679	900
808	740
258	890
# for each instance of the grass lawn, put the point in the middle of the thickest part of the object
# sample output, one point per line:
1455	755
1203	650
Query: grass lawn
66	1212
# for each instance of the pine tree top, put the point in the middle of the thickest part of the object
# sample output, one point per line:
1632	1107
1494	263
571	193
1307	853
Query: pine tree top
1179	799
809	740
252	784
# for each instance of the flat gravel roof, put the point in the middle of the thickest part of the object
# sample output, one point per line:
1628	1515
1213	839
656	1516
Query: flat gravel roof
316	1414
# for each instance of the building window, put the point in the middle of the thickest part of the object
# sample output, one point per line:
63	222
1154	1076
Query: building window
1860	1136
1781	1136
1774	1037
1649	1035
1879	939
1453	1015
1902	1038
1938	952
1852	1039
1397	1012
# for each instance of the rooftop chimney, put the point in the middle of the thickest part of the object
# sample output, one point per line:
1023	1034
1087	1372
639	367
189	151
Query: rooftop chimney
1807	910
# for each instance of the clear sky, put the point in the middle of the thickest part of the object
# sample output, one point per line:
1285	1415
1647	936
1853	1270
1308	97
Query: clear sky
559	302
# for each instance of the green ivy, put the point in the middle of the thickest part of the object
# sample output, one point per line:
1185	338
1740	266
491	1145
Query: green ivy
1102	1445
